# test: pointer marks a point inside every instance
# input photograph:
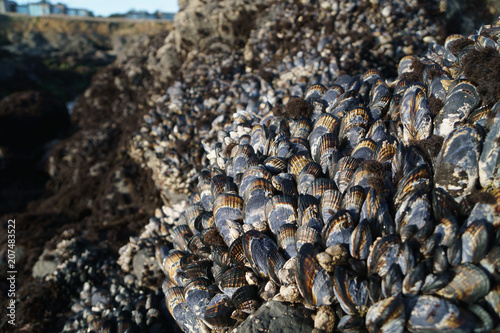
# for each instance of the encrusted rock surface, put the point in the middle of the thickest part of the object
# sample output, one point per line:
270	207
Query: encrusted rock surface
146	124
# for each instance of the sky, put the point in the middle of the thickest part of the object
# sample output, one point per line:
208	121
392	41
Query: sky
107	7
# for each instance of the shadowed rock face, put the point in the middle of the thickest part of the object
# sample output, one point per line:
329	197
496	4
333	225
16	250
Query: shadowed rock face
29	120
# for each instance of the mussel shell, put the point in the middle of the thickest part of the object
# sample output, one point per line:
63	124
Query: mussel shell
364	150
198	295
474	242
461	99
384	254
233	279
415	114
457	163
298	161
307	175
275	164
490	155
436	314
236	253
326	123
172	266
314	283
353	200
218	312
249	176
257	247
387	315
469	284
307	235
319	186
287	240
343	172
191	215
228	215
338	229
377	132
180	236
491	263
177	307
351	291
281	210
361	240
329	204
316	91
246	299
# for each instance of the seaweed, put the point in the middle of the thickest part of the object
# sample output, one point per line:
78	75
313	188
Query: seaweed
482	67
297	107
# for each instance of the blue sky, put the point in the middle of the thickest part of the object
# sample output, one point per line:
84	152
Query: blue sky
107	7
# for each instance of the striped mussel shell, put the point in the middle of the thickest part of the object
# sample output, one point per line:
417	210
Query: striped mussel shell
301	128
307	175
343	172
351	291
332	95
228	215
257	247
297	162
364	150
461	100
338	229
377	131
287	239
329	203
315	91
275	164
314	283
281	210
218	312
326	123
469	284
233	279
242	156
457	163
252	173
415	114
180	236
328	144
353	128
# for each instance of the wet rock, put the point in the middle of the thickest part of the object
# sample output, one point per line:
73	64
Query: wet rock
46	264
276	316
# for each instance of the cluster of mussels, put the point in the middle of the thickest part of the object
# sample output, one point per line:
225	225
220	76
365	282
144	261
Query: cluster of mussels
374	203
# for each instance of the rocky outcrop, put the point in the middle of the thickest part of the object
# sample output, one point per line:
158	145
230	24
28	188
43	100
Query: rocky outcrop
44	36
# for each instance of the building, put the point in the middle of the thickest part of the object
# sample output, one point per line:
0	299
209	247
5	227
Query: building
39	8
140	15
7	6
58	9
166	16
78	12
22	9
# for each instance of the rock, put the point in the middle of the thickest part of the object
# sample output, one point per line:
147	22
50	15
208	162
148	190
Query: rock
143	264
276	316
46	264
30	118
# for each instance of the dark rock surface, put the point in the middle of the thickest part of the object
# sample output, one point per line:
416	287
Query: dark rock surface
30	121
280	317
